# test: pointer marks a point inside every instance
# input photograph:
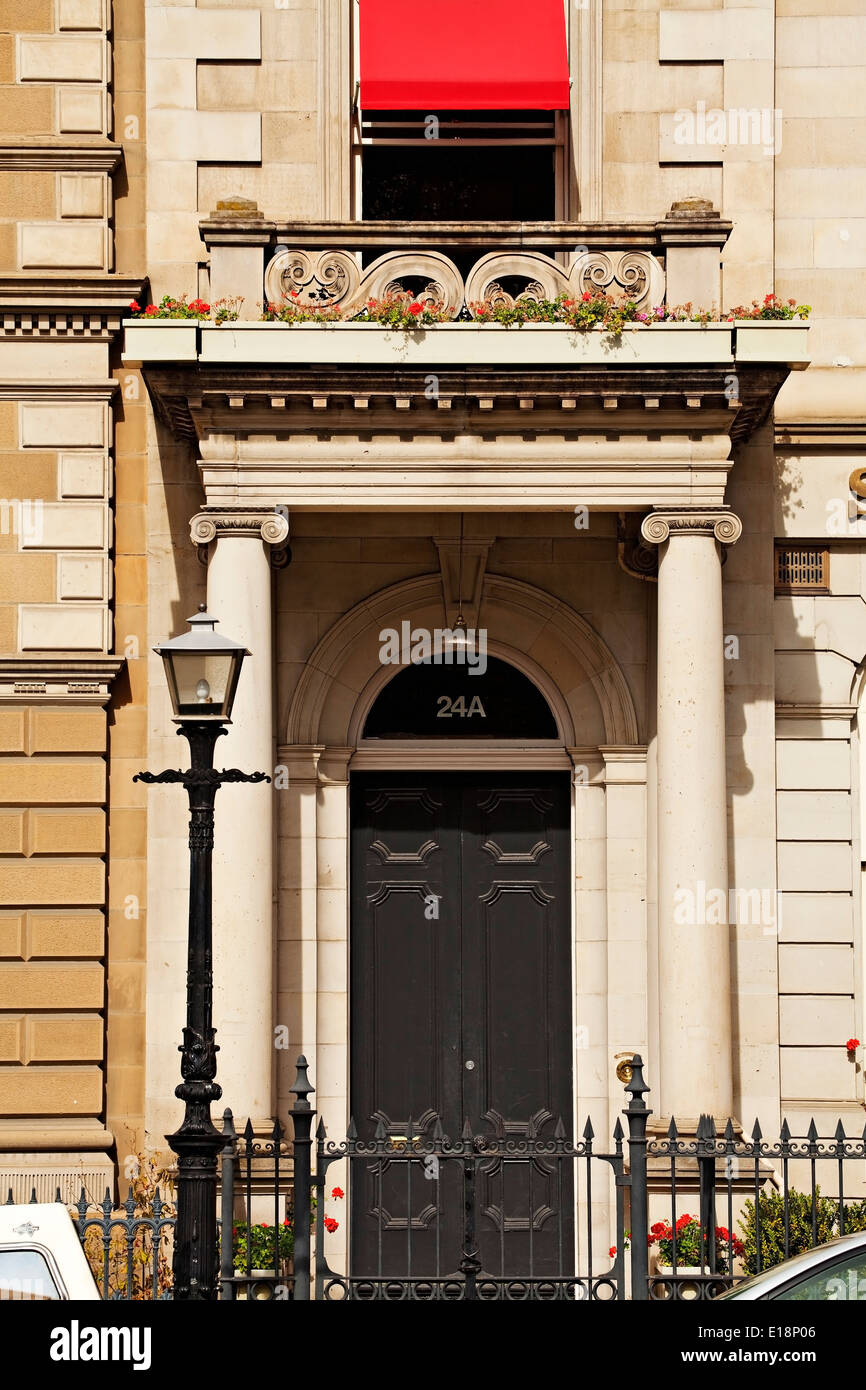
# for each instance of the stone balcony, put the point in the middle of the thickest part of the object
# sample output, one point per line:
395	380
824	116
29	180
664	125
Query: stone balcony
674	260
352	414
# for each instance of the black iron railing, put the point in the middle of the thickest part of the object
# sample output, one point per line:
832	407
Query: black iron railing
129	1248
758	1202
496	1216
518	1199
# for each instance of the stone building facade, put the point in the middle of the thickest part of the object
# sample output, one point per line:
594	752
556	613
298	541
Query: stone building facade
577	505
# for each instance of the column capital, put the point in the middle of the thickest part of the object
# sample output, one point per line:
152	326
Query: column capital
719	522
269	524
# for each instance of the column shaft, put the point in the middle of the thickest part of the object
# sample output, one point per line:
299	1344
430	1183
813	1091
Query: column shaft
694	949
239	595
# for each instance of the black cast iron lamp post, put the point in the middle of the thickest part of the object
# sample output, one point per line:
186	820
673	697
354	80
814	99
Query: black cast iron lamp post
202	669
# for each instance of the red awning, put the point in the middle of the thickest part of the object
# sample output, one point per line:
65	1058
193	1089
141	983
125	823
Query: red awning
453	55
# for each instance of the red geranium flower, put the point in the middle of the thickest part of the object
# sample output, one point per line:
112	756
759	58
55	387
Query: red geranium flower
852	1044
135	306
586	295
337	1192
612	1252
416	309
330	1224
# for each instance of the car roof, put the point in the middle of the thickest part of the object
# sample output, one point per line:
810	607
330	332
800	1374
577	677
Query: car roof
48	1226
807	1259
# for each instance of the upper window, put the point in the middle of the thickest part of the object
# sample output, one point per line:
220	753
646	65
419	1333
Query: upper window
460	118
488	166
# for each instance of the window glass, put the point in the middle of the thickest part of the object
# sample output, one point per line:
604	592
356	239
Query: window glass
843	1281
459	166
24	1274
432	700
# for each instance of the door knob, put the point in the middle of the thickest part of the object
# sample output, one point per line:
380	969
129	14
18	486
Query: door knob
470	1065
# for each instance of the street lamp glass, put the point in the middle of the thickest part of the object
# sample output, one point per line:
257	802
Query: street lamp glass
202	670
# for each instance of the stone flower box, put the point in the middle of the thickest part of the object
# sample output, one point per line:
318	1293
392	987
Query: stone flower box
160	340
773	340
459	344
687	1277
462	344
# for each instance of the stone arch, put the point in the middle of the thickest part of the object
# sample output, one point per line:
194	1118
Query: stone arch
574	669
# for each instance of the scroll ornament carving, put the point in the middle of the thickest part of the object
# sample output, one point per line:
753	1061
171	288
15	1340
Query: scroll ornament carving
333	279
635	274
725	526
270	525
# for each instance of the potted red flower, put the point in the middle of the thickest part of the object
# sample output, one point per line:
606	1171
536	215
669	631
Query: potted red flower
690	1246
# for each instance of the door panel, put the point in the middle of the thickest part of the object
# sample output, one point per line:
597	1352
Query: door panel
460	955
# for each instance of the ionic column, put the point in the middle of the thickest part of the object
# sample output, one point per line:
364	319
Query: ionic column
239	585
694	957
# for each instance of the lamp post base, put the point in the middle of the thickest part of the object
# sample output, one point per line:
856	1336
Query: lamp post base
197	1143
196	1259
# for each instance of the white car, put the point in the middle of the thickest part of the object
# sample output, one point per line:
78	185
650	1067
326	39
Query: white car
41	1256
830	1273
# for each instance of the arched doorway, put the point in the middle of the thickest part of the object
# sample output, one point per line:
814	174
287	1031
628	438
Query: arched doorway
597	746
461	994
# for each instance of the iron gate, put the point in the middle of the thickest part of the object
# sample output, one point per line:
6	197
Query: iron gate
482	1165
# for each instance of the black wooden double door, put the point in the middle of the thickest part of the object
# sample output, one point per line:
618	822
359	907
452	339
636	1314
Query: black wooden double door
460	1009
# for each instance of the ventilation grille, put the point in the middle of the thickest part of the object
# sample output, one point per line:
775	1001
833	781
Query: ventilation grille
802	569
45	1172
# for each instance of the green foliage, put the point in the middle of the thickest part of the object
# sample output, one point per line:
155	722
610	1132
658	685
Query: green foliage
771	1210
855	1218
399	309
258	1242
402	311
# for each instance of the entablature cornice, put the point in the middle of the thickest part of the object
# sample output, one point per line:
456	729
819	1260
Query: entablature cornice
199	401
56	305
65	156
61	677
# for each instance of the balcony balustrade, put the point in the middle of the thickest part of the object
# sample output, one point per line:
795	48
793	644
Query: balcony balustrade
458	264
